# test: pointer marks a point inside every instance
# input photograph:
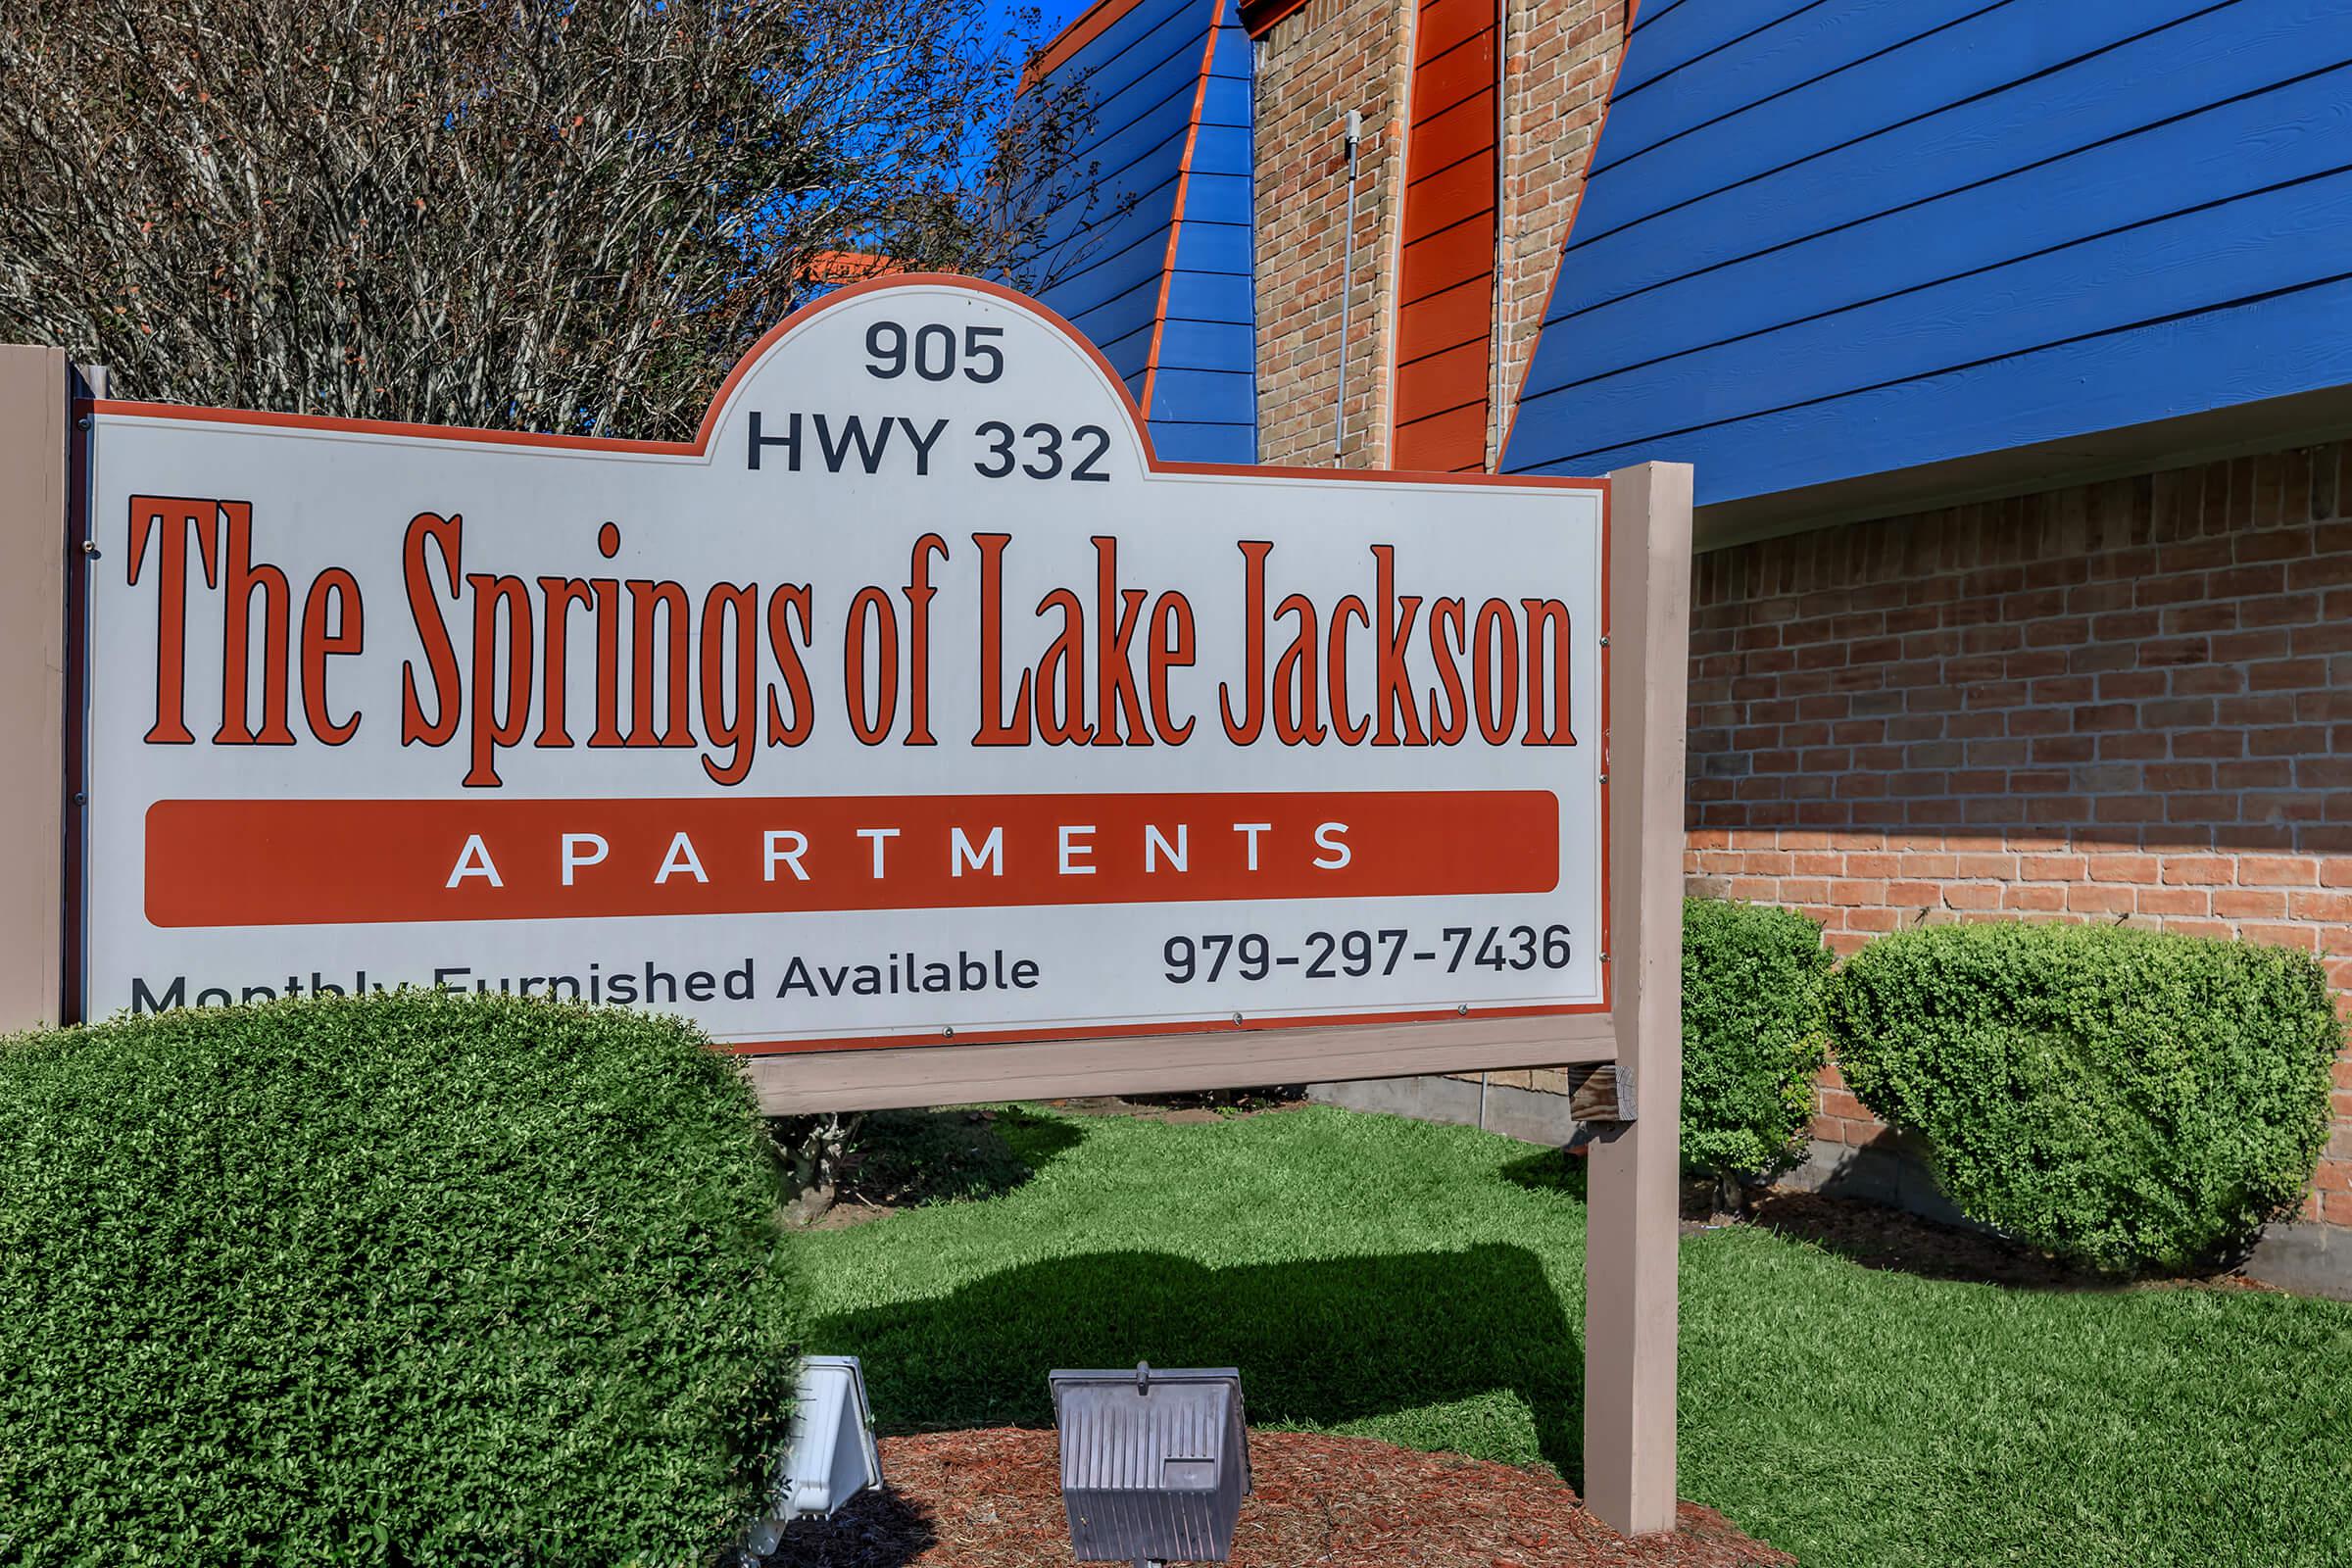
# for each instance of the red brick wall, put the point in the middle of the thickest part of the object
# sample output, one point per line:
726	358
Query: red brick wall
1317	63
2129	700
1331	56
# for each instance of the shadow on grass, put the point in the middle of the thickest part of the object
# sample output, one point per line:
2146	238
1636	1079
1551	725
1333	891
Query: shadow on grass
1856	1229
1318	1343
902	1158
1892	1240
1550	1170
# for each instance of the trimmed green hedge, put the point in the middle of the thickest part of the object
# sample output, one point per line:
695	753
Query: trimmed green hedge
411	1279
1753	978
2121	1098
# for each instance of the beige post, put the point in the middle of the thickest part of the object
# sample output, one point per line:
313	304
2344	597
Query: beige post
33	410
1630	1226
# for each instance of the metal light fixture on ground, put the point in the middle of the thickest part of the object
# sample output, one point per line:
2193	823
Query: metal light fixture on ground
1154	1464
829	1454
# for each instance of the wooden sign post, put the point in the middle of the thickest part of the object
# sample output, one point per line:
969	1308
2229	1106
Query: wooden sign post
913	727
36	398
1631	1230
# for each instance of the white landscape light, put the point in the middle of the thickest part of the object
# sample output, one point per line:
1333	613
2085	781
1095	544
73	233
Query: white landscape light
1155	1464
829	1454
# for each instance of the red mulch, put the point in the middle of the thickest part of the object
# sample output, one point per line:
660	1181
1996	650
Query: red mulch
993	1499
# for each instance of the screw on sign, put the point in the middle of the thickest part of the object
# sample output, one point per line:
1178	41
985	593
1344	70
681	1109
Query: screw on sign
915	727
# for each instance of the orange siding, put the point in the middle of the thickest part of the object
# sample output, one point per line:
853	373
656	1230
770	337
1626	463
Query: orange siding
1446	280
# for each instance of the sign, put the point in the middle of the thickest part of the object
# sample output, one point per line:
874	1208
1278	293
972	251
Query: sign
911	702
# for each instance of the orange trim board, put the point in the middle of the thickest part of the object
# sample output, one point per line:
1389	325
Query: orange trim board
1439	271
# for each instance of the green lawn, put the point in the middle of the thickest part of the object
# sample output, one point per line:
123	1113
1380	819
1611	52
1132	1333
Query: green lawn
1424	1284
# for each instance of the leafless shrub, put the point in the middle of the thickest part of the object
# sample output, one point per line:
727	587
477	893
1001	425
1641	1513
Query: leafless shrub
555	215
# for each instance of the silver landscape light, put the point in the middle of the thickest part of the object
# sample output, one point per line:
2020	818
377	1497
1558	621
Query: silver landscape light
829	1451
1155	1465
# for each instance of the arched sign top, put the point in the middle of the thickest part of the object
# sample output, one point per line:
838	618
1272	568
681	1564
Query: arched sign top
931	333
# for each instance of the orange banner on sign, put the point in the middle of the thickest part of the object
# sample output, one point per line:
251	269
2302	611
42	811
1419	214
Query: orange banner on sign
340	862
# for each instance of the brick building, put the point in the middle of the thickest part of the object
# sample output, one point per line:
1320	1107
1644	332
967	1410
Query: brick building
2009	344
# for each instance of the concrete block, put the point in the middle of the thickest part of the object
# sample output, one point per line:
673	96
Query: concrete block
1532	1116
2310	1260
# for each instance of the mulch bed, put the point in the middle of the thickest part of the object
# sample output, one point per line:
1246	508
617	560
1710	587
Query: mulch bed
993	1499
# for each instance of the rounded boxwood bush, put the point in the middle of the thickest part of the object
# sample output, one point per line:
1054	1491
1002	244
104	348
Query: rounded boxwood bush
1753	978
2121	1098
407	1278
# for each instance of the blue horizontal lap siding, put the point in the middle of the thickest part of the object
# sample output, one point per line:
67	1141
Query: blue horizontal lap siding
2215	157
2173	71
1202	297
1721	135
2265	244
1788	281
1226	102
1208	246
1143	76
1119	257
1138	123
2241	353
1119	351
1801	47
1221	147
1136	46
1204	395
1211	343
1692	32
1145	153
1175	442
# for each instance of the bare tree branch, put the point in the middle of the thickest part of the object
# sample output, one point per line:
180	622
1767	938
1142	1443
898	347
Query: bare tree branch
553	215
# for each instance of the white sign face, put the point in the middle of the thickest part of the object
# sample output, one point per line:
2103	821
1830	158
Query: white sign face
911	702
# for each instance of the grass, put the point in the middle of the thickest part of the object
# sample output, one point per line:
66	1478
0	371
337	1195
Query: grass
1424	1284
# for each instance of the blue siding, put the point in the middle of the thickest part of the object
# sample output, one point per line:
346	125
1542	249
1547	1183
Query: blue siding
1143	77
1857	236
1139	76
1205	394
